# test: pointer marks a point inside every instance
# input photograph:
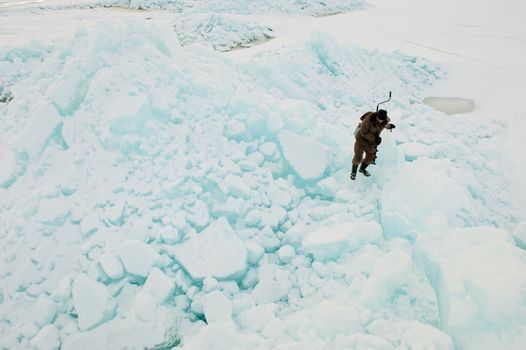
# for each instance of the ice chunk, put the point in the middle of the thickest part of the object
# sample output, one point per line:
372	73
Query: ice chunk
268	149
158	285
114	214
273	217
480	285
229	287
43	121
362	341
389	273
29	330
170	234
235	186
413	150
46	339
286	253
44	312
256	318
215	336
138	257
235	129
53	212
412	334
93	303
267	239
519	234
422	189
332	318
217	308
210	284
144	306
8	169
89	224
216	252
200	215
331	241
254	252
273	329
274	122
65	94
62	291
111	265
306	156
129	113
266	291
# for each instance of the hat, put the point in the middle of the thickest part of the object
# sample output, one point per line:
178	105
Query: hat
381	114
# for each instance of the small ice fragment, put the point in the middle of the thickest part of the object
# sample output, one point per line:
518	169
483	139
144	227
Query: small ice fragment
217	308
46	339
44	312
112	266
286	253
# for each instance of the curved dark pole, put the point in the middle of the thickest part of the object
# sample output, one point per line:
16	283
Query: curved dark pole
384	101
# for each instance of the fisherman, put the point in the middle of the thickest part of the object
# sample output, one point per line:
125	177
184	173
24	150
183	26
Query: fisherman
368	138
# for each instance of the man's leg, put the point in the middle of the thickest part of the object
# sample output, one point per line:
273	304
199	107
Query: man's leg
357	159
370	154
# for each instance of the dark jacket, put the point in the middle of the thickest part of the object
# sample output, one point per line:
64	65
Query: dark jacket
370	128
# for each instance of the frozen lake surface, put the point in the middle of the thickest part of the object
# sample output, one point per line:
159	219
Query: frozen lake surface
450	105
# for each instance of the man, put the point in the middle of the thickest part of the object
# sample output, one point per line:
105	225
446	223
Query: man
368	138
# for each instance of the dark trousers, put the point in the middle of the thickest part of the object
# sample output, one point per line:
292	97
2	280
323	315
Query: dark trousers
359	149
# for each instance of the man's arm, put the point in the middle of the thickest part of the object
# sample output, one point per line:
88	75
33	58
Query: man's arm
389	125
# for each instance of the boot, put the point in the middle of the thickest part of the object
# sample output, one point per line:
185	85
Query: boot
353	172
363	171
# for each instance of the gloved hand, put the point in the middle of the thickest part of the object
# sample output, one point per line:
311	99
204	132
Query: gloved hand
378	140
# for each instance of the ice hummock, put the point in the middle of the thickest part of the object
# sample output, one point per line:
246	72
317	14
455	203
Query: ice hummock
168	196
220	31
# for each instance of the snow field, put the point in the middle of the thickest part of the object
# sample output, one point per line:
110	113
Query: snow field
161	196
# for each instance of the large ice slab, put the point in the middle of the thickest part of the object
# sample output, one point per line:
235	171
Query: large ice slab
159	285
129	113
329	242
306	156
420	194
92	301
479	274
216	252
137	257
217	308
43	121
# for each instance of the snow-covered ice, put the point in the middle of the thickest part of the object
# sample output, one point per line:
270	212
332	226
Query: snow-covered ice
156	193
